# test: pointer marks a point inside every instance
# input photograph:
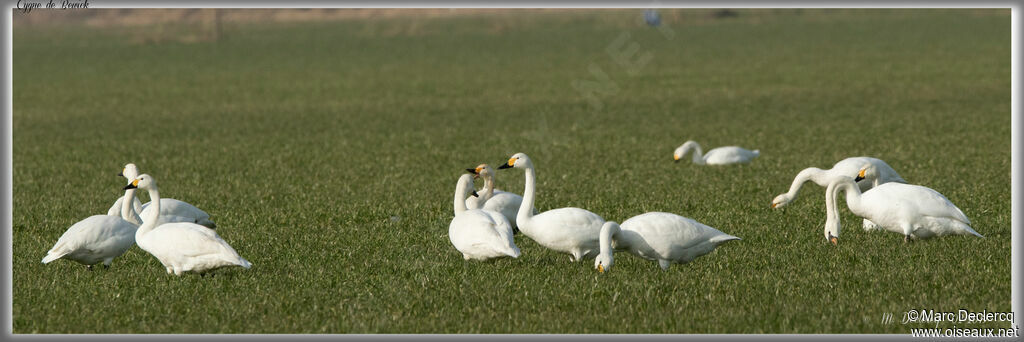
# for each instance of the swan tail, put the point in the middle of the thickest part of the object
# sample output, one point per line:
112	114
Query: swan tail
723	238
244	263
513	252
756	153
54	255
972	232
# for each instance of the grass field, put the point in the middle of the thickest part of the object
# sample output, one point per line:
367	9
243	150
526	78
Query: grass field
327	153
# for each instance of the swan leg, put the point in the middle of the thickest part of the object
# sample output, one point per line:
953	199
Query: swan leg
465	256
907	230
576	255
106	263
88	267
664	264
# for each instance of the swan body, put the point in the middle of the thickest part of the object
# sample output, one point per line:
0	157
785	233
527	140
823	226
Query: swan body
97	238
570	230
506	203
181	246
716	156
171	210
479	234
914	211
663	237
94	239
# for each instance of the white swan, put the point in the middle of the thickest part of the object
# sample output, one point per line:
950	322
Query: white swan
658	236
716	156
181	246
97	238
881	173
503	202
479	233
571	230
915	211
171	210
848	167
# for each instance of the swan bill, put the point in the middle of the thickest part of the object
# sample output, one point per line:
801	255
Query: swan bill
860	175
475	194
133	185
834	240
510	164
676	158
600	268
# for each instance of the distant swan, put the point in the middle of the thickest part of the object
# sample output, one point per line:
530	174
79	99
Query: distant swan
171	210
717	156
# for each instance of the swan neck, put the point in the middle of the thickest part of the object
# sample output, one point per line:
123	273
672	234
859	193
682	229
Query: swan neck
808	174
852	194
149	221
127	210
460	197
698	154
488	188
526	208
605	240
831	211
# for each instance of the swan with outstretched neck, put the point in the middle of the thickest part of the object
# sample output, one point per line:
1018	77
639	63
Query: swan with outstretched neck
881	173
181	246
171	210
479	234
716	156
493	199
914	211
662	237
569	230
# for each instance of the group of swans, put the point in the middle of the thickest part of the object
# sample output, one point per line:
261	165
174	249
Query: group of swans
662	237
875	192
173	234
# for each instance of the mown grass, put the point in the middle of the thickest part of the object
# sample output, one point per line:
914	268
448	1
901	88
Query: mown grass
327	153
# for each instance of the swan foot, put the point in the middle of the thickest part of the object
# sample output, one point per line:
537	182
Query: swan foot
906	239
106	267
88	267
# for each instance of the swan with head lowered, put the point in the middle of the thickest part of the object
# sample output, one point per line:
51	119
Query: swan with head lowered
479	234
716	156
881	173
570	230
181	246
98	238
663	237
914	211
171	210
493	199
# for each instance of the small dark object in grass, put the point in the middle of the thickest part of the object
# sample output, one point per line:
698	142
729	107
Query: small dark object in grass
725	13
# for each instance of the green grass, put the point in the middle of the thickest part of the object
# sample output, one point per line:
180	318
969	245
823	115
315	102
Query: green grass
328	153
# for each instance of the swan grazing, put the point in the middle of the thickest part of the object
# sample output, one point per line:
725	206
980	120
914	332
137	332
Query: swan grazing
479	234
503	202
181	246
881	173
171	210
97	238
915	211
571	230
662	237
716	156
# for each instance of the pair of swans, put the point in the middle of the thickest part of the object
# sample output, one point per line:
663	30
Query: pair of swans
506	203
656	236
181	247
716	156
171	210
915	211
479	233
881	173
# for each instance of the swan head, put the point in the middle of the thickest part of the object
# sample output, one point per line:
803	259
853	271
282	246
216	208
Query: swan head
781	201
130	171
519	160
482	170
869	171
683	149
143	181
465	184
604	260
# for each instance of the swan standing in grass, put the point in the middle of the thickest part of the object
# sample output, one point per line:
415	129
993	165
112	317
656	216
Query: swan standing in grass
97	238
479	234
658	236
171	210
181	246
915	211
881	173
571	230
503	202
717	156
